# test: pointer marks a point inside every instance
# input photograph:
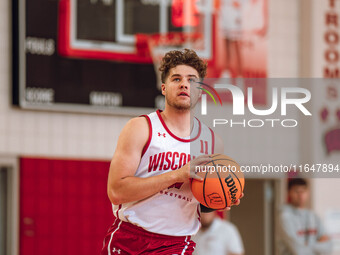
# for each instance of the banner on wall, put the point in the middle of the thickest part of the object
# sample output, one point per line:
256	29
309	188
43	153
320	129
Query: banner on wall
326	64
243	27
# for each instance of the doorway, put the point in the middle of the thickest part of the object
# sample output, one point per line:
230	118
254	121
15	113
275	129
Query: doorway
3	211
255	217
9	189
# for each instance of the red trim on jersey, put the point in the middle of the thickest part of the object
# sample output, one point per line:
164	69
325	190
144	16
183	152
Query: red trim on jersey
220	214
150	134
213	141
173	135
198	212
119	207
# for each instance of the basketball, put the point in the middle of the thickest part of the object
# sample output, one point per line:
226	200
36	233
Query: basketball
223	182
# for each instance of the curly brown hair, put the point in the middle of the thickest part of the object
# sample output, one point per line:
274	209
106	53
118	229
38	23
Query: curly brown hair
182	57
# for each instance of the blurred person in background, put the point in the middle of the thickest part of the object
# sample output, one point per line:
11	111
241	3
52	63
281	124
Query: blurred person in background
217	237
230	24
301	231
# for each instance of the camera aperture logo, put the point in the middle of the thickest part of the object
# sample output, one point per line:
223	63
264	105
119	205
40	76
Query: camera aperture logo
206	90
282	95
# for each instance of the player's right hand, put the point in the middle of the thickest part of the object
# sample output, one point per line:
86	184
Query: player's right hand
190	169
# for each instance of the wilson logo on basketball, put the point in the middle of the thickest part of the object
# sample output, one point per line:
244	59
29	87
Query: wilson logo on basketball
215	199
232	187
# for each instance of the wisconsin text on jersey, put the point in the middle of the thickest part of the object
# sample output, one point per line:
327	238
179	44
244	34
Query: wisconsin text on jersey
167	160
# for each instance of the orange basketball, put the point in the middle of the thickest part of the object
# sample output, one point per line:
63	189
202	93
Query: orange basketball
223	182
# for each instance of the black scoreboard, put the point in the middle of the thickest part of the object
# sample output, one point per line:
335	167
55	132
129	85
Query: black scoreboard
65	55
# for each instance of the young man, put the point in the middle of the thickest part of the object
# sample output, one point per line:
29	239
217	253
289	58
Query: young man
217	236
148	184
301	230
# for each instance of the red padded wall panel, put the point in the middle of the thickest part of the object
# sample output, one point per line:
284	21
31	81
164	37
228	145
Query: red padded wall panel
64	208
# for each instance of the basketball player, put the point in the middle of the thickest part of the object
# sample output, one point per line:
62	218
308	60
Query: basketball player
301	230
148	184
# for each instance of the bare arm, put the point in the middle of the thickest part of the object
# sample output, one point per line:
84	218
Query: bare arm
123	186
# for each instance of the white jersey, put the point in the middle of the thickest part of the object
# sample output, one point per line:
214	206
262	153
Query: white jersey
174	210
221	237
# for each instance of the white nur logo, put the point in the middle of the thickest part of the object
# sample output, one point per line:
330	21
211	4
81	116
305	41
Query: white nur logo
239	102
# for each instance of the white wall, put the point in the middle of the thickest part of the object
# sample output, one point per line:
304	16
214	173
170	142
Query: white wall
283	47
